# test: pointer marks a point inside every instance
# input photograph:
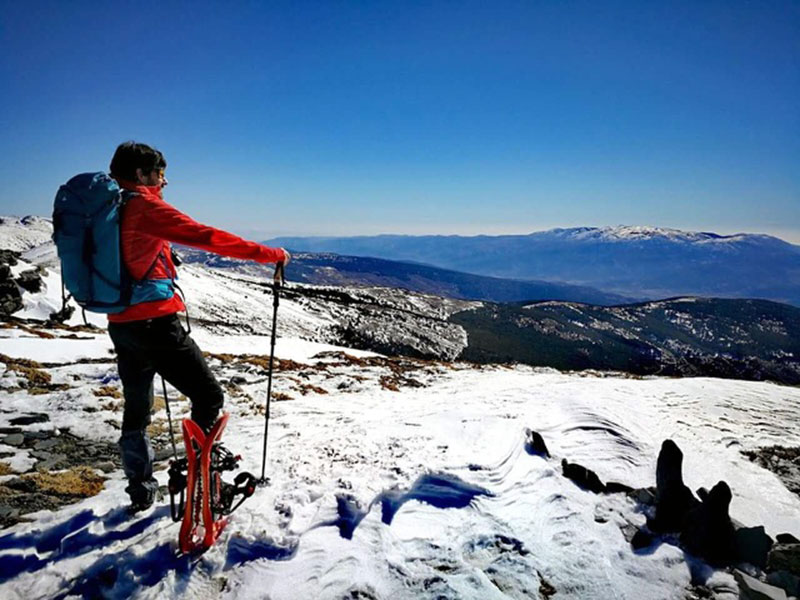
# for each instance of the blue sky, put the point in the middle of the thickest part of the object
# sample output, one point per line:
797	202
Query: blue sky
339	118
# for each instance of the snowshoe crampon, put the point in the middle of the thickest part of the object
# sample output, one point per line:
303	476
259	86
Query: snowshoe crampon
197	490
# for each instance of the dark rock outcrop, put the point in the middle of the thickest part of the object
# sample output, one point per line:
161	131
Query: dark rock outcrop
582	477
784	557
30	280
534	444
673	499
10	296
8	257
751	588
707	530
752	545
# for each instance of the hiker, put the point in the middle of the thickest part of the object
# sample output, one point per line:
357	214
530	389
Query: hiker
147	336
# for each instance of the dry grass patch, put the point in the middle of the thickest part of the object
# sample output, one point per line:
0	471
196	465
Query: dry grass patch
159	403
107	390
158	428
5	469
29	369
78	481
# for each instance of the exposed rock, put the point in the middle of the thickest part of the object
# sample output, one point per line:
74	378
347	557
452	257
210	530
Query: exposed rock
534	444
646	496
673	499
751	588
615	487
10	298
14	439
30	280
781	460
9	257
7	430
752	545
784	557
786	581
45	444
30	419
781	538
582	477
707	531
642	539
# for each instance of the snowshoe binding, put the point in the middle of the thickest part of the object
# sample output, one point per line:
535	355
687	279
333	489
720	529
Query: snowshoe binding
198	495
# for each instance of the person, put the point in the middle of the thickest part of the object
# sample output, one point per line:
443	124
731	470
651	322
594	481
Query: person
148	336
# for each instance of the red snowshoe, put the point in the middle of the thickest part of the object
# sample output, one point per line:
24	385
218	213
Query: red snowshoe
197	492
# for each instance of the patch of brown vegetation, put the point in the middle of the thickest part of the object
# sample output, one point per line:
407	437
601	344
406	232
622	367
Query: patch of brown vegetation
82	482
35	376
388	383
223	358
38	390
306	388
5	469
107	390
158	428
159	403
29	369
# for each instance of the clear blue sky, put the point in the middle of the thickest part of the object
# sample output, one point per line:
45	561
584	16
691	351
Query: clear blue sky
338	118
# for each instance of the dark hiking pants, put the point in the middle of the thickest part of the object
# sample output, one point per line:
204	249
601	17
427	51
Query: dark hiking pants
145	348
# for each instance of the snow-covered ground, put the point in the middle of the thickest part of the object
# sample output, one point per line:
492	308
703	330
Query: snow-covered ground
514	522
390	478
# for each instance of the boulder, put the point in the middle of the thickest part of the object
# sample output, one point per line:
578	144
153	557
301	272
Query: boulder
673	499
751	588
784	557
30	281
30	419
786	581
786	538
752	545
10	298
646	496
707	530
14	439
615	487
9	257
582	477
534	444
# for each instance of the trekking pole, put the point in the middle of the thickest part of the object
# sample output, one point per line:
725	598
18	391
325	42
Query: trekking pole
169	418
277	282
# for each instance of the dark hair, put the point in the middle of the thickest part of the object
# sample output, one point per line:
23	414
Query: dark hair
131	156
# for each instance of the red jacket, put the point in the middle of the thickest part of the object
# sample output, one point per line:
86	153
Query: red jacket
149	224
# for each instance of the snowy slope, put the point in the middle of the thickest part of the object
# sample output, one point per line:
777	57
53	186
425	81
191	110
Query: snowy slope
527	525
390	477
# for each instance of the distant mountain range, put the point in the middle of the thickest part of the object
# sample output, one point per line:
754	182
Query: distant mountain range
734	338
334	269
638	262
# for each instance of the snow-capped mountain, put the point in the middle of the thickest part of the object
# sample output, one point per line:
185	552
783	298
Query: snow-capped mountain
641	262
391	477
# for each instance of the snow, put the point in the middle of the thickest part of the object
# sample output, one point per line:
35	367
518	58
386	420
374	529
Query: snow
21	234
500	522
468	423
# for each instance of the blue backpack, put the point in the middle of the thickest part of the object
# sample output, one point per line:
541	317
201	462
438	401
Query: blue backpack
87	213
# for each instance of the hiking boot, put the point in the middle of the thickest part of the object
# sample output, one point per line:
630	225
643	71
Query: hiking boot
140	505
145	502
